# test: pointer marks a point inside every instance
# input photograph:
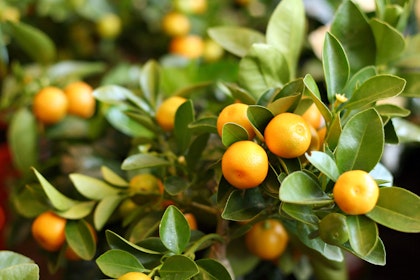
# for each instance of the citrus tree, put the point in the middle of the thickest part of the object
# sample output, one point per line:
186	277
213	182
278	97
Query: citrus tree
275	165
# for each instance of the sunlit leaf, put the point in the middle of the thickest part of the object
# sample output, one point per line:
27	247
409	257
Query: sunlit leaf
183	117
112	177
115	263
174	230
14	266
324	163
363	234
105	209
81	239
139	161
91	187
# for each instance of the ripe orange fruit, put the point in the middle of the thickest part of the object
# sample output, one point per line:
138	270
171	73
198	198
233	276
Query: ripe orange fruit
322	132
245	164
134	276
192	221
235	113
50	105
356	192
267	239
313	116
71	255
165	114
80	99
176	24
48	230
109	26
188	46
287	135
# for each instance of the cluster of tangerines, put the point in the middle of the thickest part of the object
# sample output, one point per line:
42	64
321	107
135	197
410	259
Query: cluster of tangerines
51	104
177	24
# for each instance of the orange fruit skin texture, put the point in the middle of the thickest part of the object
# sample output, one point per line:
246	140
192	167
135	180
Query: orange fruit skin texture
287	135
192	221
50	105
48	230
165	115
176	24
134	276
80	99
235	113
267	239
188	46
245	164
356	192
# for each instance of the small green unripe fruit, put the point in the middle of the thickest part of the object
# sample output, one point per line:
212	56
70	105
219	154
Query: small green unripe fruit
333	229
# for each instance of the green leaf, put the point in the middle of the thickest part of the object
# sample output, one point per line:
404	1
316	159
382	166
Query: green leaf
406	130
300	188
213	270
361	142
243	205
390	42
57	199
234	39
336	66
30	201
23	149
204	125
14	266
359	78
131	126
91	187
105	209
376	88
351	28
287	98
81	239
391	110
33	41
299	212
377	256
149	81
324	163
175	184
239	93
262	68
398	209
363	234
139	161
178	267
71	69
286	29
174	230
78	211
147	226
113	178
183	117
259	117
115	263
232	132
313	90
194	153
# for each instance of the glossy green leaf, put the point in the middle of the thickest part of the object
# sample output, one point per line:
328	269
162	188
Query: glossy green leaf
262	68
204	125
361	142
149	81
147	226
183	117
127	125
78	211
287	98
57	199
259	117
115	262
324	163
139	161
313	90
363	234
23	149
91	187
300	212
232	132
14	266
390	42
286	29
352	29
398	209
300	188
194	153
113	178
213	270
30	201
336	66
391	110
81	239
33	42
175	185
178	267
235	39
377	256
105	209
174	230
374	89
243	205
359	78
239	93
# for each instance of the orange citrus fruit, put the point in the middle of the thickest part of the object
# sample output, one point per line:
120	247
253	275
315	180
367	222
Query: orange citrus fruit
235	113
245	164
134	276
356	192
48	230
50	105
267	239
313	116
165	114
192	221
176	24
188	46
287	135
80	99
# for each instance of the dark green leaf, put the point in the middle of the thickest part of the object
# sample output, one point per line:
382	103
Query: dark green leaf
312	87
175	185
174	230
377	256
195	150
300	212
301	188
259	117
204	125
232	132
361	142
237	40
243	205
239	93
139	161
391	110
324	163
178	267
359	78
115	263
213	270
397	208
146	227
81	239
183	117
363	234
